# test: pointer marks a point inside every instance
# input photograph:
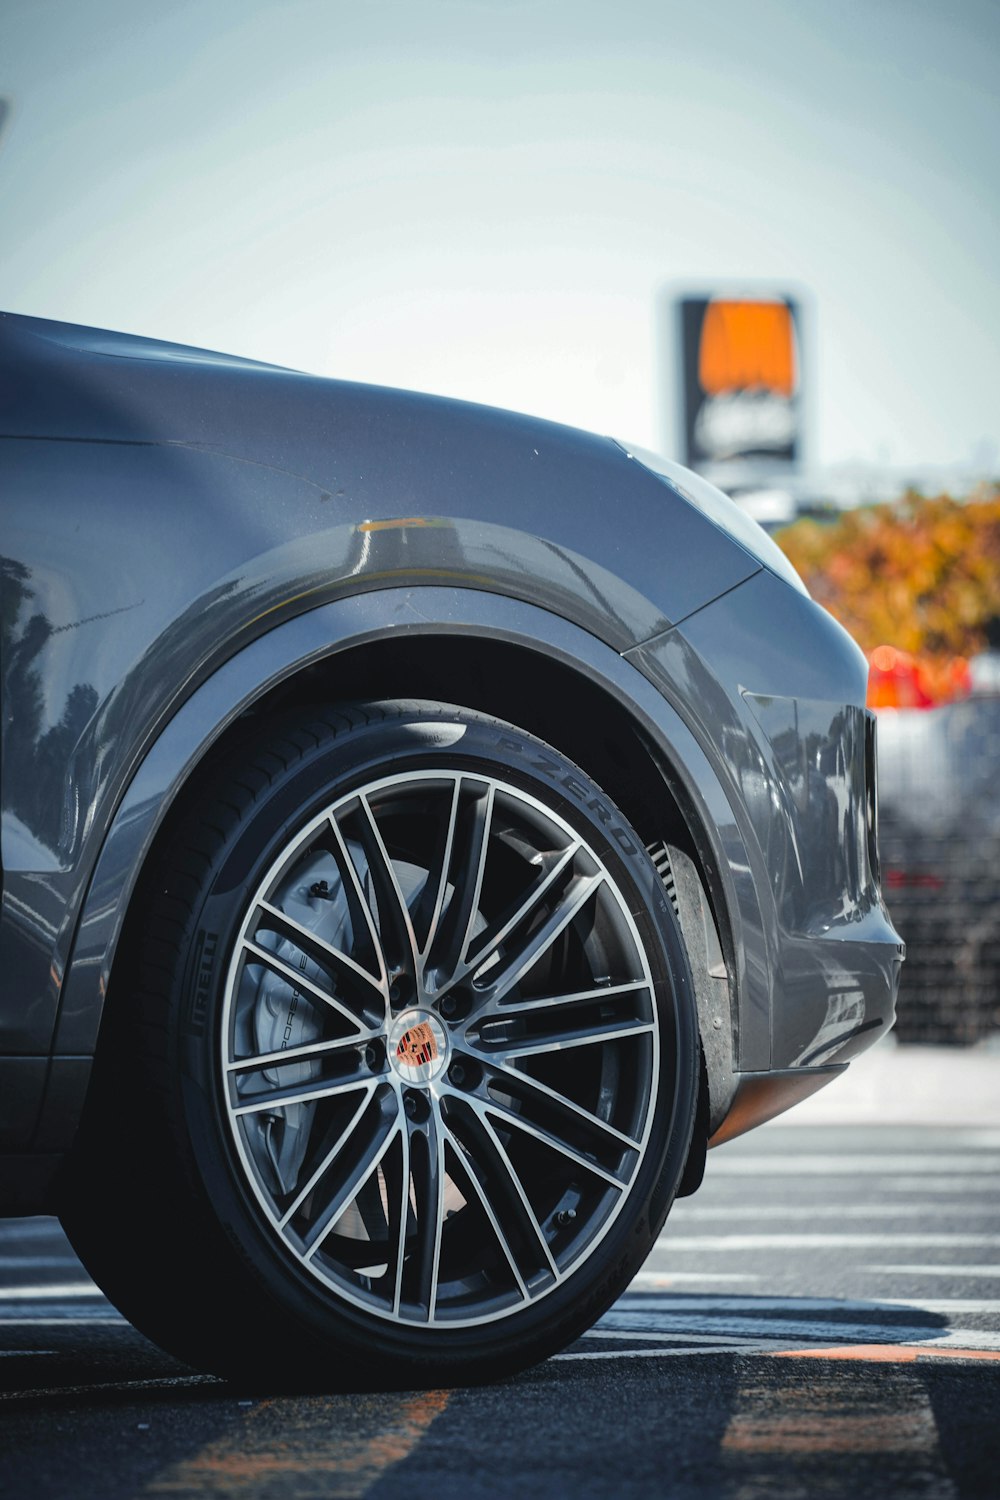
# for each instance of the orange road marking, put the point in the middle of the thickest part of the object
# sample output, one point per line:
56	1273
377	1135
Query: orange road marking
825	1432
827	1420
890	1354
321	1446
399	522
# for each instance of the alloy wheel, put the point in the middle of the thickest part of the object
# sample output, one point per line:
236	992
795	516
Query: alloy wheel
440	1048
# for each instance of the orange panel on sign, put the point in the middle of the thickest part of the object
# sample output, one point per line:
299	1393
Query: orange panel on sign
746	346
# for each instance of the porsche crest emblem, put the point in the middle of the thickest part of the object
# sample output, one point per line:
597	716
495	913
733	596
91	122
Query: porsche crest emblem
418	1046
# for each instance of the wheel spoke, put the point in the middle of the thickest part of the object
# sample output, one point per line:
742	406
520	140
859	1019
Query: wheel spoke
510	1117
440	885
427	1156
360	903
303	1094
597	992
330	1157
297	1054
351	1186
527	954
551	1098
470	846
398	942
397	1178
564	1038
272	919
488	943
491	1157
298	982
472	1182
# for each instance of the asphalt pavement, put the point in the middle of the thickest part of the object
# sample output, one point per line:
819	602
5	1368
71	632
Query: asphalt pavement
823	1315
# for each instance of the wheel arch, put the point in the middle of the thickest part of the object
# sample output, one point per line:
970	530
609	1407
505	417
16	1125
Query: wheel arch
480	651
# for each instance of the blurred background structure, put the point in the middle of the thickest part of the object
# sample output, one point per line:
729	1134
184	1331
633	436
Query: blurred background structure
917	582
761	238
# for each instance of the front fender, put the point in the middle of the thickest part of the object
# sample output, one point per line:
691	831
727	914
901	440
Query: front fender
325	632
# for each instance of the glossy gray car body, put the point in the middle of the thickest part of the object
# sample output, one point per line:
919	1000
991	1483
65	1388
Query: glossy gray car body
189	537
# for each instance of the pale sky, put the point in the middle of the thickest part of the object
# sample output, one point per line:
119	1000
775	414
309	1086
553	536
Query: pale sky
486	198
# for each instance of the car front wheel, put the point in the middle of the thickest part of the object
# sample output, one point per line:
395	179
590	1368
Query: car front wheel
399	1063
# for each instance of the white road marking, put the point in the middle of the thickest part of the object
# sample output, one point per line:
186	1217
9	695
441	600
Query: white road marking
45	1293
622	1334
711	1301
750	1347
110	1385
871	1331
662	1279
935	1270
39	1262
724	1213
988	1306
31	1229
728	1242
828	1164
24	1353
909	1186
71	1319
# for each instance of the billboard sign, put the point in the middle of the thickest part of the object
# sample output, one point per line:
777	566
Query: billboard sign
741	380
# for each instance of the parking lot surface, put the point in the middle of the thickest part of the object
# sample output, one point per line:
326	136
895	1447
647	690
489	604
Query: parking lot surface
823	1314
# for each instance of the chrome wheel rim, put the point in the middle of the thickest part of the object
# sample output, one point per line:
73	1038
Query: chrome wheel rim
440	1049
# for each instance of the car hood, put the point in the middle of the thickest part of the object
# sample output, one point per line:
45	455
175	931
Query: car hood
374	454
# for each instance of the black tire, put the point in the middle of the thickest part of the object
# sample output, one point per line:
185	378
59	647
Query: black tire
444	1179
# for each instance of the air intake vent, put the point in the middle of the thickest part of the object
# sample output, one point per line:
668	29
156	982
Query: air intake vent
661	859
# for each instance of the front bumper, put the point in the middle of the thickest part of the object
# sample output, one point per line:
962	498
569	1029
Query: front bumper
775	691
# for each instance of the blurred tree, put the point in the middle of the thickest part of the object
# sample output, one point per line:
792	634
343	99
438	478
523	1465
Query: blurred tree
922	574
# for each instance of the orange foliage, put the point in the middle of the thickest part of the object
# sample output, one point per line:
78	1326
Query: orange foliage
922	575
898	680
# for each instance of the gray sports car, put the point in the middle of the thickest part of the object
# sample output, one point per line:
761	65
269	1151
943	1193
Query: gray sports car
425	831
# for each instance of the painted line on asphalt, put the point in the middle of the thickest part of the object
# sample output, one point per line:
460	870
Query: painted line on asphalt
108	1387
654	1279
984	1271
946	1305
925	1185
896	1354
906	1164
978	1138
55	1317
783	1349
39	1262
702	1244
688	1302
822	1424
876	1353
42	1292
600	1334
25	1353
316	1445
40	1228
746	1347
798	1330
726	1212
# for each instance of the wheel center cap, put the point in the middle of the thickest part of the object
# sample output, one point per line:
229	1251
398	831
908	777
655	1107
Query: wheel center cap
418	1046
